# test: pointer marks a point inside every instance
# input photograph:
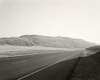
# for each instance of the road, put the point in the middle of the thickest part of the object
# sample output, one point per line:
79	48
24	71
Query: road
20	67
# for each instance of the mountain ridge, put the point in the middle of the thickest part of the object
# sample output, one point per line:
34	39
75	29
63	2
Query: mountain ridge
47	41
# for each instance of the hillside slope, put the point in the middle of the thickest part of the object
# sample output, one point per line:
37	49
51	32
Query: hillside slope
88	68
37	40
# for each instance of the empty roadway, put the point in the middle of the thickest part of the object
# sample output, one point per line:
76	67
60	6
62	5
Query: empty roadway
20	67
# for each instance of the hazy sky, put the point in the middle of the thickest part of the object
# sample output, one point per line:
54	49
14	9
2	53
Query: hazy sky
71	18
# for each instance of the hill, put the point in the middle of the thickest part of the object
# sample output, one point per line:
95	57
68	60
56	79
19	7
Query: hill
38	40
88	68
94	48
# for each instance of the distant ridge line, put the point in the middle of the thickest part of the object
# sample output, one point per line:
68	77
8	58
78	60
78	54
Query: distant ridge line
46	41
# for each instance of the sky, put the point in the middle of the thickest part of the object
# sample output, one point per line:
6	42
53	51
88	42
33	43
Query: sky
68	18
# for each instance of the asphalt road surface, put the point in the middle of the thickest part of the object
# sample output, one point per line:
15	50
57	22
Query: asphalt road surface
24	67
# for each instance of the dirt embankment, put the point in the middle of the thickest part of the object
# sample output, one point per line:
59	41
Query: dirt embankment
88	68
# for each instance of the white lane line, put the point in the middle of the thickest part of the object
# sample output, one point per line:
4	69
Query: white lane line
23	61
32	73
46	66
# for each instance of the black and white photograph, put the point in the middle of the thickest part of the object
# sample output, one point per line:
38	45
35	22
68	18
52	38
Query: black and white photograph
49	40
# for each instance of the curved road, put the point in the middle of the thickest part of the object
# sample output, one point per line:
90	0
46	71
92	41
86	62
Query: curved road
21	67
